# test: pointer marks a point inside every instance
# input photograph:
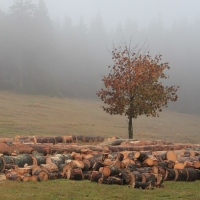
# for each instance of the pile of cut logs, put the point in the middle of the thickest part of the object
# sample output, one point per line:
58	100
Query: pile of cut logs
139	164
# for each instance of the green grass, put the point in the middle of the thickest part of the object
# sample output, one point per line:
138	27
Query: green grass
75	190
41	115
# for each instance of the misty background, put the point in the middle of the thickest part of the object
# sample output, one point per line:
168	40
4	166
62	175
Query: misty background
61	47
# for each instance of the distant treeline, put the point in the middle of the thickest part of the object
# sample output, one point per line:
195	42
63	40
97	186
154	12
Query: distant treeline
41	56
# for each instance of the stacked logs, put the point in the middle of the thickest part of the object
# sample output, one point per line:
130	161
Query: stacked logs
139	164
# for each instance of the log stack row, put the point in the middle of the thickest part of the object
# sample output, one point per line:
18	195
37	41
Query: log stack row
139	169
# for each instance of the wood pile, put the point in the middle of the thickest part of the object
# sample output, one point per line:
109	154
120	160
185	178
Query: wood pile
139	164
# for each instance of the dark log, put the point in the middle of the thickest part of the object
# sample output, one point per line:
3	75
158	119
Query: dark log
75	174
2	164
171	175
144	170
141	185
111	180
125	175
19	160
97	165
95	176
192	174
141	156
149	178
49	139
87	175
38	160
131	167
54	175
183	175
111	170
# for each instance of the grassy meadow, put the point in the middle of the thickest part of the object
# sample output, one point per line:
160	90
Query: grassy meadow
41	115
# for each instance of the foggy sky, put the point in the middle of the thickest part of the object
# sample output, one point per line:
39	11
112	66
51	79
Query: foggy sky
118	11
40	56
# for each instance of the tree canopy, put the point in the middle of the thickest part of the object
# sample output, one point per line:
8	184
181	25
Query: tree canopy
133	87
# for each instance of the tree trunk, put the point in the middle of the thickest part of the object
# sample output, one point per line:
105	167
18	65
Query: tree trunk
130	128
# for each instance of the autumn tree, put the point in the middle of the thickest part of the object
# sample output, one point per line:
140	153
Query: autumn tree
133	86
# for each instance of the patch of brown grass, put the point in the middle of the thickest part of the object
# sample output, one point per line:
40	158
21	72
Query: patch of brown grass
42	115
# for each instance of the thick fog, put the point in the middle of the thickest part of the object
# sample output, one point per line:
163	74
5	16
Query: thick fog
61	47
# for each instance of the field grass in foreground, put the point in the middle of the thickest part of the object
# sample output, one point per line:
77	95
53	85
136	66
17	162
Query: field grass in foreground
80	190
42	115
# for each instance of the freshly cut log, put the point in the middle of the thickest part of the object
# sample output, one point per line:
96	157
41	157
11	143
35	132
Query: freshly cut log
75	174
196	164
141	185
2	164
24	170
42	175
6	140
179	165
68	139
49	168
108	162
26	177
141	156
76	156
171	175
13	176
119	164
76	164
192	174
20	148
95	176
111	170
111	180
34	178
148	162
183	175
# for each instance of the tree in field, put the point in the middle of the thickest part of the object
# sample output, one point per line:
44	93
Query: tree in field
133	87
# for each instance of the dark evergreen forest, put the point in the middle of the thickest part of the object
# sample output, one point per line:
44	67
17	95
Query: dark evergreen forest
43	56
